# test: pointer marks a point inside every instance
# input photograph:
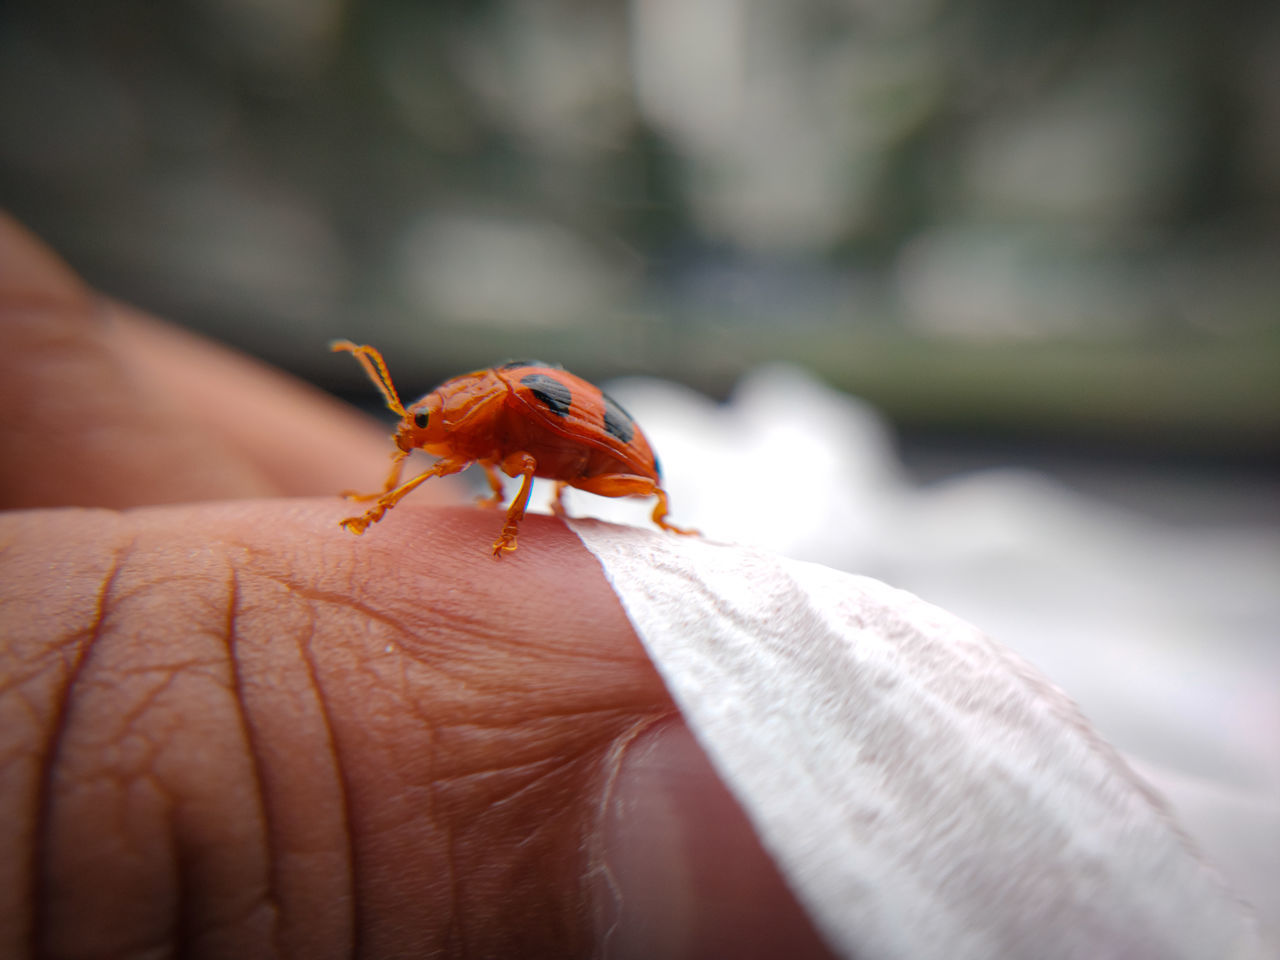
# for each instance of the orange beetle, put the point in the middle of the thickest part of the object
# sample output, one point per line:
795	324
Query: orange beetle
526	418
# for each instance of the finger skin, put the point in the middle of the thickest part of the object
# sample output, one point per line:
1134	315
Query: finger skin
299	440
103	406
211	748
76	426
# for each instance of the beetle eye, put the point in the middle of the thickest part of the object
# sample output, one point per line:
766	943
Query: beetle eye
420	420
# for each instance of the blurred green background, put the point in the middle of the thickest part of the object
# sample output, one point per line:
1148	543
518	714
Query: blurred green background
1054	223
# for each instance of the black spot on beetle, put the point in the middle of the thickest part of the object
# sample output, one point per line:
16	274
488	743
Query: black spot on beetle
616	420
550	391
517	364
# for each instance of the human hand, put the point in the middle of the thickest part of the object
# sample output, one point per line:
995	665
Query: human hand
229	728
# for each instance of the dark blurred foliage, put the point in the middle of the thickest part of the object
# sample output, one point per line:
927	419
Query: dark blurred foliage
1048	218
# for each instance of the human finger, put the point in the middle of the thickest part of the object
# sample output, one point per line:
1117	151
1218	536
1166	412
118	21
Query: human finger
103	406
272	736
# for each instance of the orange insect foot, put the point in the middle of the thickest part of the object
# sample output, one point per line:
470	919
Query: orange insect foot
360	524
504	544
683	531
356	525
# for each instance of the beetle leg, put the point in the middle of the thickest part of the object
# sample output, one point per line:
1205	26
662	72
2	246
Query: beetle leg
495	484
632	485
524	465
391	497
660	510
557	501
393	479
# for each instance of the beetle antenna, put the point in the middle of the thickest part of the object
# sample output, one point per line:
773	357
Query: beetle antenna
376	368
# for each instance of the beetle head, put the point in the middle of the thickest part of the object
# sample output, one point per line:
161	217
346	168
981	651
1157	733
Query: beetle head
422	425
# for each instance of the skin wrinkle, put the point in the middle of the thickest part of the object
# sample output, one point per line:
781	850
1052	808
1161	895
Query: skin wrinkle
369	613
42	819
355	927
311	592
404	641
556	765
539	772
170	674
254	748
16	681
284	847
566	742
145	770
406	701
479	688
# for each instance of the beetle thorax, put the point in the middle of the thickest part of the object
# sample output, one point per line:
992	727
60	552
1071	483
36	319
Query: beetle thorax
459	416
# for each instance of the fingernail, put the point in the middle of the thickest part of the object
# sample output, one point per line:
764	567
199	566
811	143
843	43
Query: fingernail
681	874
